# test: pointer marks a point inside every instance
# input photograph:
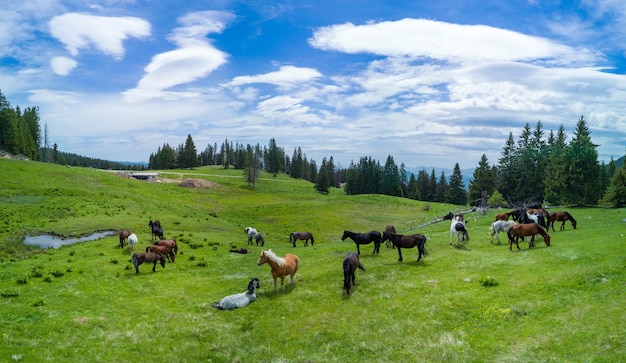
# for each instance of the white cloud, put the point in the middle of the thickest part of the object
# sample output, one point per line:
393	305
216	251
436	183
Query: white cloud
286	75
81	31
195	58
421	38
62	65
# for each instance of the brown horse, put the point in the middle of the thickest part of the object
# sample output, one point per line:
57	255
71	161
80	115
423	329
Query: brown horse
410	241
169	243
350	264
304	236
502	216
281	266
164	250
526	229
561	217
363	239
390	229
123	237
139	258
540	211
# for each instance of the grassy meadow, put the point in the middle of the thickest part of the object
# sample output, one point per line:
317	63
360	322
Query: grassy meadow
479	303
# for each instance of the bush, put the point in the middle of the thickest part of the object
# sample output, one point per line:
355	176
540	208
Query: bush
9	293
488	281
497	200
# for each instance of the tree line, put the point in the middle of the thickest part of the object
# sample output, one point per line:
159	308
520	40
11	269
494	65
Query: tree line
20	134
532	169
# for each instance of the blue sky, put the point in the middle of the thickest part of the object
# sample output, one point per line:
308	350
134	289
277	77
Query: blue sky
431	83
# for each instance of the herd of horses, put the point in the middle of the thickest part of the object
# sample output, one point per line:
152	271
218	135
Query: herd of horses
517	224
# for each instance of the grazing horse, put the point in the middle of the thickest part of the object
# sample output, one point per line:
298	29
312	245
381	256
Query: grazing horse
389	229
500	226
502	216
539	210
123	237
281	266
305	236
350	264
132	242
169	243
240	300
139	258
457	228
561	217
410	241
164	250
157	231
363	239
253	233
526	229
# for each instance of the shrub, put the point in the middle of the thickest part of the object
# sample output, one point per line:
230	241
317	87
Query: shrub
488	281
57	273
22	280
9	293
48	278
38	302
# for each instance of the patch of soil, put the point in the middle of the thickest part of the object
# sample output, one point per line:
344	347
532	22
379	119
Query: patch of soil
197	183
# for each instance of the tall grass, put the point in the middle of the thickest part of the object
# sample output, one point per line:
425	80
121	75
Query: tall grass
477	303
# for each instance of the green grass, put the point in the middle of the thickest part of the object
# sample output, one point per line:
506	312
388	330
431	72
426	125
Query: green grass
480	303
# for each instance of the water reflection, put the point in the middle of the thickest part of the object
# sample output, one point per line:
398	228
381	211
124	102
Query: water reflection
50	241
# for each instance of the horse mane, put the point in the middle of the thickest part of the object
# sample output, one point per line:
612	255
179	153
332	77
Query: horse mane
280	261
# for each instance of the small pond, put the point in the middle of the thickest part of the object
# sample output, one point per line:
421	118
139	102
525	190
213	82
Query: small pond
50	241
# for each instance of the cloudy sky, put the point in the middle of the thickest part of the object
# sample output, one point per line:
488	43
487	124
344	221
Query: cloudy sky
431	83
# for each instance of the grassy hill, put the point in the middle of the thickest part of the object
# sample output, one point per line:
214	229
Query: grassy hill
477	303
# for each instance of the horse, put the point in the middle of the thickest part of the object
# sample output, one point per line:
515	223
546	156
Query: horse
123	237
526	229
157	231
253	233
139	258
305	236
502	216
363	239
500	226
281	266
350	264
240	300
410	241
537	218
457	227
132	242
390	229
538	210
169	243
561	217
164	250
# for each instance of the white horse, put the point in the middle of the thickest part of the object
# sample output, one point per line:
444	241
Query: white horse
132	242
253	233
239	300
500	226
457	228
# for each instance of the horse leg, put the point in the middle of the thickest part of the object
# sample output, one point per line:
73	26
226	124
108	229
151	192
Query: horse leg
274	283
358	249
400	254
154	266
563	226
282	282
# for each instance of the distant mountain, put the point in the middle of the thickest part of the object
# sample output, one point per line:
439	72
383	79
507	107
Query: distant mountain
140	163
467	174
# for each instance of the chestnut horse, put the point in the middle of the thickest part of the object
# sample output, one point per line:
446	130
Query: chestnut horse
139	258
363	239
410	241
123	237
164	250
169	243
350	264
281	266
561	217
502	216
305	236
526	229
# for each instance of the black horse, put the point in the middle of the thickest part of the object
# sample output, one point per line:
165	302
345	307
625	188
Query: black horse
139	258
363	239
410	241
350	264
157	231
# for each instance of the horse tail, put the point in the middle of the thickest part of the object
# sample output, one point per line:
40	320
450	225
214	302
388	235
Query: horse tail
148	249
422	247
509	234
361	266
135	262
291	237
312	239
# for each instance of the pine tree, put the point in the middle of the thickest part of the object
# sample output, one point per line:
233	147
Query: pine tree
457	194
321	183
484	180
554	173
616	192
582	177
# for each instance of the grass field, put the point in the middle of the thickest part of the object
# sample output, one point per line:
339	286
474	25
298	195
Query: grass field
479	303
